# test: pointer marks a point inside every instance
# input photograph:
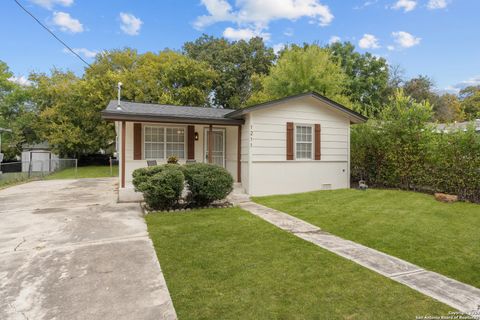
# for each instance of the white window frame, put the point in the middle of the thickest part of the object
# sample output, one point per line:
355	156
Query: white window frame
164	128
312	142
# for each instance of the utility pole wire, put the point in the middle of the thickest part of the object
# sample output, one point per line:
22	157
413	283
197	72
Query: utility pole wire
51	32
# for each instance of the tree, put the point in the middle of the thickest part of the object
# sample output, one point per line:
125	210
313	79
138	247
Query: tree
236	64
167	77
16	113
69	106
447	108
69	114
368	77
470	100
300	70
420	89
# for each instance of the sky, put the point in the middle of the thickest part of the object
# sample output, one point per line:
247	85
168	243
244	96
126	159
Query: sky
437	38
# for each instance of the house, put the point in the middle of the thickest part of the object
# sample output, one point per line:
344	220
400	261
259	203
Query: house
455	126
295	144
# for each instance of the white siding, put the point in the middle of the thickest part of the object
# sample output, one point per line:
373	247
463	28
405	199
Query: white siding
271	173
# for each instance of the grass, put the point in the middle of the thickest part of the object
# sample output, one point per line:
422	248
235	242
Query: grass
229	264
9	179
84	172
412	226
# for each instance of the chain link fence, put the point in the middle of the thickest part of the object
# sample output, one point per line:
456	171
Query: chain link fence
11	172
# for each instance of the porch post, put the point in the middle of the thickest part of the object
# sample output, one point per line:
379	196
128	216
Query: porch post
124	130
239	154
210	142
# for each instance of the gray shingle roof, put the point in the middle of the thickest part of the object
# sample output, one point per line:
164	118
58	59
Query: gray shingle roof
136	111
446	127
136	108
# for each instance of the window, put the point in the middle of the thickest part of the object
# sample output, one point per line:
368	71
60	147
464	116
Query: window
303	142
162	142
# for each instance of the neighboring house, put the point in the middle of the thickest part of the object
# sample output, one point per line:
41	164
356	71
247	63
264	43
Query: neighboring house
454	126
295	144
38	158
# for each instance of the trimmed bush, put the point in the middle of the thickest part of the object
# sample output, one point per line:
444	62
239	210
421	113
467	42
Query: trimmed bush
207	182
161	185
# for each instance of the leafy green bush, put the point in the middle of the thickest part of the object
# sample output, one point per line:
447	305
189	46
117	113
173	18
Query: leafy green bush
402	150
207	182
161	185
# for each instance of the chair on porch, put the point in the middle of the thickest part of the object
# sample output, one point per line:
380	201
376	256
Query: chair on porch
151	163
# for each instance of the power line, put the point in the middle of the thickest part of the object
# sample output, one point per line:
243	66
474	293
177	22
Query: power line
53	34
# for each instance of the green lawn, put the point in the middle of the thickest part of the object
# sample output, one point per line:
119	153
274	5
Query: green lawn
229	264
84	172
415	227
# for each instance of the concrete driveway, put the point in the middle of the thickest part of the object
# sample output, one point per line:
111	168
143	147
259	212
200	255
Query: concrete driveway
69	251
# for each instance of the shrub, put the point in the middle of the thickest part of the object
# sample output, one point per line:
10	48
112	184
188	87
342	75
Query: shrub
161	185
401	150
207	182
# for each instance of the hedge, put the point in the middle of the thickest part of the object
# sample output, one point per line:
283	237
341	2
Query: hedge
404	150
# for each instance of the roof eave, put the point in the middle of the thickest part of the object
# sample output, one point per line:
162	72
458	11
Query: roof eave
121	116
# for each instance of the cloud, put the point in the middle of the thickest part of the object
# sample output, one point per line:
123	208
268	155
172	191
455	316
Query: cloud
437	4
243	34
278	47
49	4
257	15
367	3
405	39
368	41
66	22
83	52
21	80
406	5
288	32
334	39
390	48
456	88
130	24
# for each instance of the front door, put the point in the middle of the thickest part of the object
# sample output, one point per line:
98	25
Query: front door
218	146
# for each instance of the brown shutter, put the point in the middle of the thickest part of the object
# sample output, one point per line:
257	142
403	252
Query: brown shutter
289	140
317	142
137	141
191	143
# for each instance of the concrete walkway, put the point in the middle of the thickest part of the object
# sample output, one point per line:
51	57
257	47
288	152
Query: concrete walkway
69	251
456	294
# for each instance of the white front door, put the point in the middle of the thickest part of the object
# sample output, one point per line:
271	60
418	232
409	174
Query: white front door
218	146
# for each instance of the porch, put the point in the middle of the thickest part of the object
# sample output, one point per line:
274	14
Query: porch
155	132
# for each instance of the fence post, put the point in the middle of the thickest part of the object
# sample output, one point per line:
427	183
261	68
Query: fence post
111	169
76	165
29	168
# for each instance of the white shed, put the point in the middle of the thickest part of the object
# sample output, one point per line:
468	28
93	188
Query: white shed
39	156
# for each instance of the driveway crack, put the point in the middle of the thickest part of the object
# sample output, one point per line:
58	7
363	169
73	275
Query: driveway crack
19	244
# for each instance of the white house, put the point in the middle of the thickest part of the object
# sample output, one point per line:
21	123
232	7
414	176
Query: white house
295	144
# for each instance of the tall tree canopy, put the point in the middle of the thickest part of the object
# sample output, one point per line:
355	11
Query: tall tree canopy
367	77
236	64
303	69
420	89
16	113
470	97
69	107
447	108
